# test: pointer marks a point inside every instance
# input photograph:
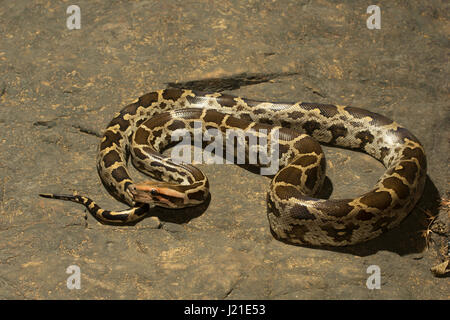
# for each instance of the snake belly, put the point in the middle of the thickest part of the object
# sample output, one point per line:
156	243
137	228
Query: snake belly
294	215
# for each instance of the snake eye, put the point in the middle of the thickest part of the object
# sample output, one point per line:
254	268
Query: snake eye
153	192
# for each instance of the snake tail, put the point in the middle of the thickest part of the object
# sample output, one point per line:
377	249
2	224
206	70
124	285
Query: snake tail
122	216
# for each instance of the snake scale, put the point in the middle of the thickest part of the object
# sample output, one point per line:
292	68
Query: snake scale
143	129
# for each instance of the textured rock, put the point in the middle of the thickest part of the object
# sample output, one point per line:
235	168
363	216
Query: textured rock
61	87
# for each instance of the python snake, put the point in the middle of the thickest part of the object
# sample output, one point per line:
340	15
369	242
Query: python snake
144	128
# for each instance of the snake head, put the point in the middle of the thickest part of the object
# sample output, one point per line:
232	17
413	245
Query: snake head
157	193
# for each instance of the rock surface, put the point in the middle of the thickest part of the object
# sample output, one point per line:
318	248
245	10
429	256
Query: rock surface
59	89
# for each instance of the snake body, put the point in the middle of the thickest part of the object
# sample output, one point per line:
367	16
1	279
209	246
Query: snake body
143	129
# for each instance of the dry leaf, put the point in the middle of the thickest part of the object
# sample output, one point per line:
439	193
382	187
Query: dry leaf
441	269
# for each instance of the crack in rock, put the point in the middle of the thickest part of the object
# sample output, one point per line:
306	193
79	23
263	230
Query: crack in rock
48	124
2	90
87	130
228	83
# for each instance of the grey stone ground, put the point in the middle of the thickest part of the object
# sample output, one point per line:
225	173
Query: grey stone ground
59	88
